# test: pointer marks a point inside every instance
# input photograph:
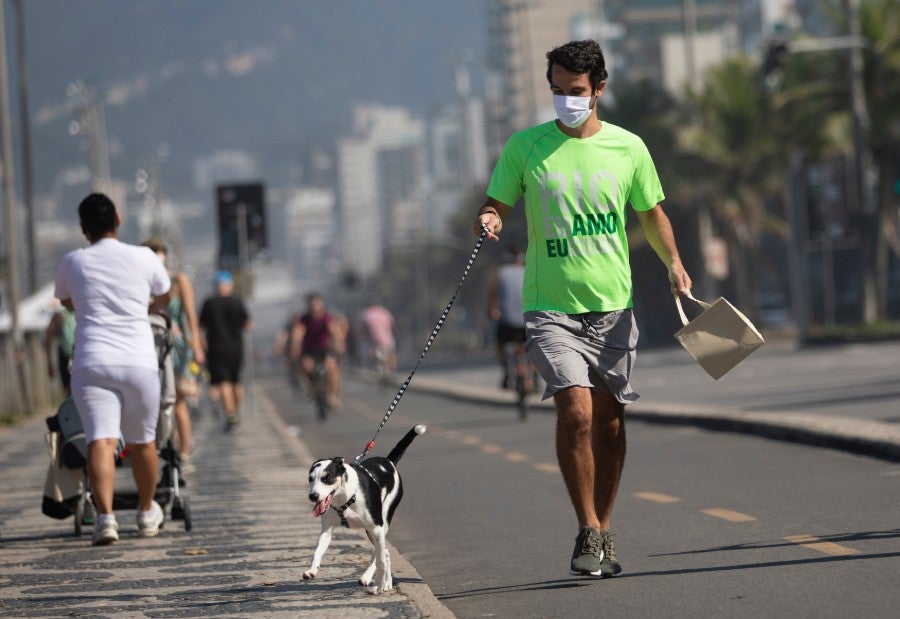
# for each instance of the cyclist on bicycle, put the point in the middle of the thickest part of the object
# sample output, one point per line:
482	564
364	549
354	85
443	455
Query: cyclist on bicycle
319	338
505	307
379	329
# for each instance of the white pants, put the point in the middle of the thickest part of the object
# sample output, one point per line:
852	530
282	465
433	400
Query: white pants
117	401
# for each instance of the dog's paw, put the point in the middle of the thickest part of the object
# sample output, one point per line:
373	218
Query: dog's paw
365	579
385	585
309	575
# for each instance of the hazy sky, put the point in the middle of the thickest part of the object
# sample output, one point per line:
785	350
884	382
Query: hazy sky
228	73
364	40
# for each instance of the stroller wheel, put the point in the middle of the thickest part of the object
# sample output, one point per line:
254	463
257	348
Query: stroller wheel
79	516
188	523
181	510
88	516
177	508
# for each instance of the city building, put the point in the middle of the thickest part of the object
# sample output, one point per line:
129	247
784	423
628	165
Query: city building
520	33
381	185
670	42
309	225
457	152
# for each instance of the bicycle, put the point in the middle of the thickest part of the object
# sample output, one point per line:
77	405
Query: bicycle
318	385
383	373
525	376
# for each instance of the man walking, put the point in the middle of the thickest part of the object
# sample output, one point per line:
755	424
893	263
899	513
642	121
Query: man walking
577	174
223	320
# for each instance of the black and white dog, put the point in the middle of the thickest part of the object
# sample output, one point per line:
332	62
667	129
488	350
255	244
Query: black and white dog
363	495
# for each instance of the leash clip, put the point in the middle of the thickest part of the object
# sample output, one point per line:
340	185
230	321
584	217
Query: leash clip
368	448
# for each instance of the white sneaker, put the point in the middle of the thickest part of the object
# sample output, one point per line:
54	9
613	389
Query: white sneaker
150	522
105	533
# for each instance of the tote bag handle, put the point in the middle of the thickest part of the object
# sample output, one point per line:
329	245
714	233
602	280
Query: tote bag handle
681	313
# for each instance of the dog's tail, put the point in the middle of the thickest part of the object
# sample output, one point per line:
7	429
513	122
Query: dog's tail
400	448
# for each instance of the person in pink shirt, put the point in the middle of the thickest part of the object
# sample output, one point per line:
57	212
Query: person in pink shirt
380	330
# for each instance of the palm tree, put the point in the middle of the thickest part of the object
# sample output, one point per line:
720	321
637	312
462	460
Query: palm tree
880	26
735	162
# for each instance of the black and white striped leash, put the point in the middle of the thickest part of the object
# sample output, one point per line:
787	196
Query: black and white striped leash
431	338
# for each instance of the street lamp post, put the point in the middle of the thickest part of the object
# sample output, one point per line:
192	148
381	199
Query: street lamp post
92	123
25	129
864	170
9	199
246	279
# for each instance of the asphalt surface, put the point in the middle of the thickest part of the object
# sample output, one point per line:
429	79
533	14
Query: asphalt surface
253	534
845	397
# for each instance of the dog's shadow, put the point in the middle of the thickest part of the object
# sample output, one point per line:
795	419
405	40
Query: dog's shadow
547	585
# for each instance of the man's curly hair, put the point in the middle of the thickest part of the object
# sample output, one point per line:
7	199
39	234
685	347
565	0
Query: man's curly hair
579	57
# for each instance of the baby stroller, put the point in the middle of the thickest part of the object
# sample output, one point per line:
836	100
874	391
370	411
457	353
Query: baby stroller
67	491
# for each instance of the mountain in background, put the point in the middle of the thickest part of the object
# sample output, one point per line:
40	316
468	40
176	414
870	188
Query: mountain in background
269	77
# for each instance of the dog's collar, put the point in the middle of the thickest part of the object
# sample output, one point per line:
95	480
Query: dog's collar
340	510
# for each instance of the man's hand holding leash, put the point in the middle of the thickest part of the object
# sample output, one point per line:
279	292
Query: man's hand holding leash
490	217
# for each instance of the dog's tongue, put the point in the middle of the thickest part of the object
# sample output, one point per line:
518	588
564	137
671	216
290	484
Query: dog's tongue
322	506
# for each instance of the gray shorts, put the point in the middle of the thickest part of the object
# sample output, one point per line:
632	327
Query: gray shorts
594	350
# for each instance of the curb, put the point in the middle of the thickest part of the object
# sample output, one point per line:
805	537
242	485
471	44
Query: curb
858	436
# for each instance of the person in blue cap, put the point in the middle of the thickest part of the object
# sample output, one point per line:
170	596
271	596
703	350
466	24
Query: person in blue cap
223	320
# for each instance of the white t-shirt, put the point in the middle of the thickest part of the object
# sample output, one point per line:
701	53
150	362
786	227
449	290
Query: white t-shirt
110	284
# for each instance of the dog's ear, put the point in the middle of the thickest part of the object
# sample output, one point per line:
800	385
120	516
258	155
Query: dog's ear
340	467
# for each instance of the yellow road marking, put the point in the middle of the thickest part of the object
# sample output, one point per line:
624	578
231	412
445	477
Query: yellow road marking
547	467
727	514
491	448
451	434
829	548
515	456
656	497
470	440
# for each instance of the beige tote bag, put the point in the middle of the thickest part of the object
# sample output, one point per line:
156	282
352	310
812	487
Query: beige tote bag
719	338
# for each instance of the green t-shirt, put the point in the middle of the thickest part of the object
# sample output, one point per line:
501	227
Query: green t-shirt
575	194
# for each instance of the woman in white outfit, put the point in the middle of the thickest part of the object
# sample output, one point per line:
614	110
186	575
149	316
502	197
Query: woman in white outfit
115	370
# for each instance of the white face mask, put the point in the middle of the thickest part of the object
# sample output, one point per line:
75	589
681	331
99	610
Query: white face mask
572	111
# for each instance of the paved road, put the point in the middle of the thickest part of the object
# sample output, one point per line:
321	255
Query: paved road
484	495
846	397
708	523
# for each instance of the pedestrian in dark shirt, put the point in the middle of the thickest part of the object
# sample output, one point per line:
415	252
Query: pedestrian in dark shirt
223	320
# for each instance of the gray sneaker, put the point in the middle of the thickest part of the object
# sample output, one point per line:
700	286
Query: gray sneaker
588	556
610	564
